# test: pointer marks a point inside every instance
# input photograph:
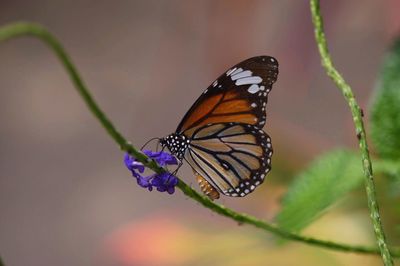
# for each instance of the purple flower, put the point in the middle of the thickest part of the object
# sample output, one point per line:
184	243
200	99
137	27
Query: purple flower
163	182
144	181
162	158
132	164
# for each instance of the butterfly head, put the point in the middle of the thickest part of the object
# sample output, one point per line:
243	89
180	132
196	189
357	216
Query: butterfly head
176	143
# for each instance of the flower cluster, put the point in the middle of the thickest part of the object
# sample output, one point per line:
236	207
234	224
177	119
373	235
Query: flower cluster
162	182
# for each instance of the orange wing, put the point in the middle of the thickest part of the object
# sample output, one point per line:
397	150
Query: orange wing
239	95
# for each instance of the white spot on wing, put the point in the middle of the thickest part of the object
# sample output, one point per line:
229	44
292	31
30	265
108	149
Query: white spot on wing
230	71
253	89
248	80
242	74
236	71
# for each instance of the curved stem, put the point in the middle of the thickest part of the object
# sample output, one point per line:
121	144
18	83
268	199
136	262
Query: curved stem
22	29
359	126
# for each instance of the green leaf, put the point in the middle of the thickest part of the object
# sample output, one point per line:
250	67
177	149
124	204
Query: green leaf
385	109
387	167
391	170
327	180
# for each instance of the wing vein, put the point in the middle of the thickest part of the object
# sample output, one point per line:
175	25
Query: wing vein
213	168
195	123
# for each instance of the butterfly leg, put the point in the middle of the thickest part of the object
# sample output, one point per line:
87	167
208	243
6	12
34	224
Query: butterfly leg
177	168
175	171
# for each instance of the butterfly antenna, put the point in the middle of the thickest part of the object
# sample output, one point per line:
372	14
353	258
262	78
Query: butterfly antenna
147	142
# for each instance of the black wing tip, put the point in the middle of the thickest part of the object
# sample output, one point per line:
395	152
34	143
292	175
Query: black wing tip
263	59
246	187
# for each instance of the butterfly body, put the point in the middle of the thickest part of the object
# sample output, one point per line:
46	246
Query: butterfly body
176	143
221	135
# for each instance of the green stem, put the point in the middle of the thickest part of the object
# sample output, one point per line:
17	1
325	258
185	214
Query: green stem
31	29
359	126
22	29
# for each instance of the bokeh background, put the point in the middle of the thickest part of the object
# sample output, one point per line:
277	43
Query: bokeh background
67	199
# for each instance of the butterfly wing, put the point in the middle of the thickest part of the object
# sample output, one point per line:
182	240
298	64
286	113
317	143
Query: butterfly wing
233	157
239	95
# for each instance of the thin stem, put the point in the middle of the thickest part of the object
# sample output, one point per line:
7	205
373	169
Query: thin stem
21	29
359	126
31	29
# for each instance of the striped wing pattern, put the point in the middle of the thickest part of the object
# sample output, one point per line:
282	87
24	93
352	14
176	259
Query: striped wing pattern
233	157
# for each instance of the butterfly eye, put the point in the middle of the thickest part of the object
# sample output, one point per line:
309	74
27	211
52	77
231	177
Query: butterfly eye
163	142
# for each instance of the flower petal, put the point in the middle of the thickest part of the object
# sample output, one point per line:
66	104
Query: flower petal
132	164
171	190
144	181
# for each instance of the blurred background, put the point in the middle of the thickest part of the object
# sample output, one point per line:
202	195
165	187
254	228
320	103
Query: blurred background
67	199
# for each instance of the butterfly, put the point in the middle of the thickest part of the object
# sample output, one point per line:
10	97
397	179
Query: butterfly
221	135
